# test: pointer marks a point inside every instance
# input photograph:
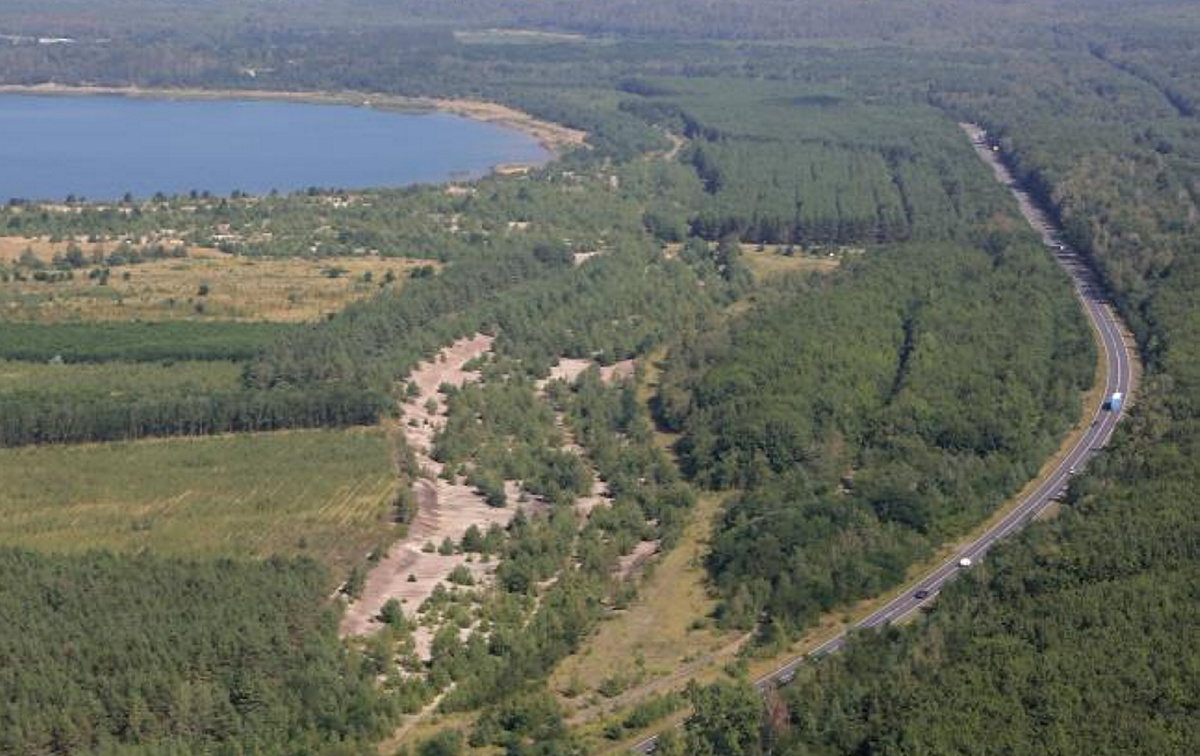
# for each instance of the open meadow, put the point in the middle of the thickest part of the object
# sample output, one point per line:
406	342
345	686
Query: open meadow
667	633
209	286
321	494
766	260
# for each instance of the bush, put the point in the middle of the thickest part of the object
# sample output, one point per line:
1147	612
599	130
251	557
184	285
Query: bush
391	613
444	743
460	575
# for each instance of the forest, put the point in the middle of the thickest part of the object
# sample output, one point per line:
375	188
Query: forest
1074	638
818	168
33	417
146	655
558	572
855	421
871	417
135	342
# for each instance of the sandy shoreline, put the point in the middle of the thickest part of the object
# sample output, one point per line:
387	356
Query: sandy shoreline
553	137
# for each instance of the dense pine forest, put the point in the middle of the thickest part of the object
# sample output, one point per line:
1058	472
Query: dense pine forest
140	655
852	422
872	417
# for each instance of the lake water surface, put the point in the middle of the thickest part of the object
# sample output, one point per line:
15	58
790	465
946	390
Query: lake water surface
101	147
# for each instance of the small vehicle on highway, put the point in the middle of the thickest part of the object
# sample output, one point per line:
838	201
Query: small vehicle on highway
921	595
964	562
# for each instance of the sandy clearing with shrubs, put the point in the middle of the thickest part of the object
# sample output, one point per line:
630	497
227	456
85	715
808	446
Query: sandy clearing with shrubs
410	571
413	566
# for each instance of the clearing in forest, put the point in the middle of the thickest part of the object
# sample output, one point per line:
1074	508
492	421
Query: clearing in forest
767	260
413	567
570	368
664	637
445	509
208	286
319	493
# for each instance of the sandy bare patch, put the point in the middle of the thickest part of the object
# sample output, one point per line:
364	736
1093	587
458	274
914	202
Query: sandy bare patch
629	563
494	35
449	367
567	369
553	136
445	509
599	497
511	169
570	368
677	145
618	371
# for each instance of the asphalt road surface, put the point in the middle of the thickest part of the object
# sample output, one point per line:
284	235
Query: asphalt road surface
1118	378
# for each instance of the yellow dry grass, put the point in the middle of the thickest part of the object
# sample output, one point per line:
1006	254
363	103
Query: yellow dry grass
663	634
237	288
771	260
417	728
665	637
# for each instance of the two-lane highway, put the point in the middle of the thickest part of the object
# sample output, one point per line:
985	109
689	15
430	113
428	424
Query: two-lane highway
1119	377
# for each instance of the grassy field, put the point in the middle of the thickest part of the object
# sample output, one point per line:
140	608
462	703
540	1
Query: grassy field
210	286
116	377
771	260
666	632
319	493
663	633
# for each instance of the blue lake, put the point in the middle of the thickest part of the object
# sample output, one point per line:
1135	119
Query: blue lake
101	147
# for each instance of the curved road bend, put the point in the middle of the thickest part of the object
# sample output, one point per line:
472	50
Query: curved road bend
1118	377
